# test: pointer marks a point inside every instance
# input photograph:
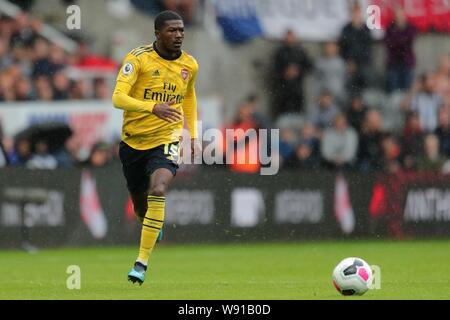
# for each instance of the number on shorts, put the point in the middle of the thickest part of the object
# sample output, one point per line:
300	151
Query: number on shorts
172	152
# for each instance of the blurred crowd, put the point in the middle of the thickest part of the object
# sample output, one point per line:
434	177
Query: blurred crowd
341	131
33	68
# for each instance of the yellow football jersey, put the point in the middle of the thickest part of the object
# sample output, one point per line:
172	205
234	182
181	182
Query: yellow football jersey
149	79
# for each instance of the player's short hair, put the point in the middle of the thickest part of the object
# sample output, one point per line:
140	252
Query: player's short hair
164	16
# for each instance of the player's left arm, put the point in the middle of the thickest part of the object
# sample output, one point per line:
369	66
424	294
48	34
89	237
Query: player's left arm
190	109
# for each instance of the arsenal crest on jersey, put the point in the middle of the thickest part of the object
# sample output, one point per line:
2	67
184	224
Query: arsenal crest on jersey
184	73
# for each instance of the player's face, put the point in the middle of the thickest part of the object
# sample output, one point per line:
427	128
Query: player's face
172	35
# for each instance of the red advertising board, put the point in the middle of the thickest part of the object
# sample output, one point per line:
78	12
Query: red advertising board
426	15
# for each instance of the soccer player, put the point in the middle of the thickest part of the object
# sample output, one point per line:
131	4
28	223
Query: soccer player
156	89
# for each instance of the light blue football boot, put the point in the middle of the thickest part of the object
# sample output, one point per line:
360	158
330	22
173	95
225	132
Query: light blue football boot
137	273
160	236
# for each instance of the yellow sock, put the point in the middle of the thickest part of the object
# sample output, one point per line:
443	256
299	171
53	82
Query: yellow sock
151	226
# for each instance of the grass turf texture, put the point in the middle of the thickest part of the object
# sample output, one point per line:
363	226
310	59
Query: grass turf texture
410	270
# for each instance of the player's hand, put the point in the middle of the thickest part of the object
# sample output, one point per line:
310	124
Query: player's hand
166	112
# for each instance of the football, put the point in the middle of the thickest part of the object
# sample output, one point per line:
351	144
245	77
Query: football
352	276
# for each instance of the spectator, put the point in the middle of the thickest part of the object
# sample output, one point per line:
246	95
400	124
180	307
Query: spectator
355	82
61	86
431	158
356	113
100	155
24	32
74	150
247	116
101	89
21	153
399	42
412	139
14	72
73	153
6	28
442	76
331	71
370	156
57	59
426	103
42	159
41	61
79	90
245	152
355	43
43	87
391	153
251	103
5	56
443	131
304	157
23	90
324	113
291	64
7	92
288	141
306	152
21	61
339	144
310	136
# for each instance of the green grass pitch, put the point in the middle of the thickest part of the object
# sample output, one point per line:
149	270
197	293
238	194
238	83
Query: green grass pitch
409	270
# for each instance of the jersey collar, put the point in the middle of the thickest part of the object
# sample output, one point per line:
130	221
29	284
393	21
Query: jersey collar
165	57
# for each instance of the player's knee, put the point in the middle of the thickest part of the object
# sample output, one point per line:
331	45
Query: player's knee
158	190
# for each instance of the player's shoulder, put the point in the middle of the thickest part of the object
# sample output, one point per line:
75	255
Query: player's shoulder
190	60
139	53
141	50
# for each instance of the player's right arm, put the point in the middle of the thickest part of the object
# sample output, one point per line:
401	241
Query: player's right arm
121	98
126	78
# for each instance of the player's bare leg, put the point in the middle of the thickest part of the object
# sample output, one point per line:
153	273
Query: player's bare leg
152	221
140	204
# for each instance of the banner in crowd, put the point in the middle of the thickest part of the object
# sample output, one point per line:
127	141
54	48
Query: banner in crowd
319	20
90	121
426	15
78	207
